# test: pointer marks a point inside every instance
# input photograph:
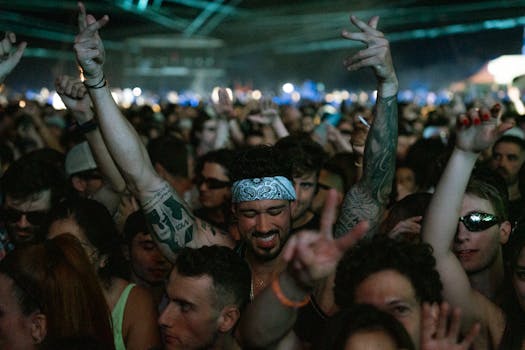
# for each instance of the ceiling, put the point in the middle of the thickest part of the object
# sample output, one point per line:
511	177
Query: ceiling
268	38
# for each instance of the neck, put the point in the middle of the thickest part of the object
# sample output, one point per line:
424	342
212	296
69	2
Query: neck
215	214
224	342
302	220
489	280
514	191
263	272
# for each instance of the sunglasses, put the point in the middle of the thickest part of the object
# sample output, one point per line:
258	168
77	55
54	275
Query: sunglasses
476	221
211	183
36	218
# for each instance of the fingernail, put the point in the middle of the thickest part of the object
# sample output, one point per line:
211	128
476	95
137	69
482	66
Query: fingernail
476	121
485	116
465	122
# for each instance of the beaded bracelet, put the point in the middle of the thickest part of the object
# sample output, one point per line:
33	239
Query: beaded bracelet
98	85
283	299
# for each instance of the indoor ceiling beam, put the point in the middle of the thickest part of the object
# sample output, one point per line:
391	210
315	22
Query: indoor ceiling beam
206	13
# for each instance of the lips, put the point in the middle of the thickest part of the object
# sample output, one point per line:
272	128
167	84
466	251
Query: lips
465	254
266	241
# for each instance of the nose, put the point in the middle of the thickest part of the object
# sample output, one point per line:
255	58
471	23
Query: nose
167	316
462	234
22	222
262	223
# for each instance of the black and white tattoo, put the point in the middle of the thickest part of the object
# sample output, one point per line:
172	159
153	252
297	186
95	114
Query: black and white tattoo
368	198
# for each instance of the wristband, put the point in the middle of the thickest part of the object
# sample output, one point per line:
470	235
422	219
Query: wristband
283	299
88	126
98	85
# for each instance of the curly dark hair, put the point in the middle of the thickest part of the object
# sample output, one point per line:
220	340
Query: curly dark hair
413	260
36	172
171	153
230	273
224	157
259	161
362	318
305	155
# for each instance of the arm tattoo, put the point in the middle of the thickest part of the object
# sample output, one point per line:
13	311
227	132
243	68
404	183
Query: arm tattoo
367	199
169	220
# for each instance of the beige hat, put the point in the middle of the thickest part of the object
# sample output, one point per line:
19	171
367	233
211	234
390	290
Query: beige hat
79	158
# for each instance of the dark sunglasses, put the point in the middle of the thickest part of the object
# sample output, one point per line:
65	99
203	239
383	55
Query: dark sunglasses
211	183
476	221
36	218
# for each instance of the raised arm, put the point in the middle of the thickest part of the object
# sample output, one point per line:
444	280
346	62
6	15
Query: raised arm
9	57
367	199
75	97
477	132
171	221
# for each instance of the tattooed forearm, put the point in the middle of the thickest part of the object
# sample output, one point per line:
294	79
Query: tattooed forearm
171	223
368	198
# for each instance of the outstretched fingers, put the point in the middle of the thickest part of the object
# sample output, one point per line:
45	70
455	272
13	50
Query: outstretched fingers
366	27
328	214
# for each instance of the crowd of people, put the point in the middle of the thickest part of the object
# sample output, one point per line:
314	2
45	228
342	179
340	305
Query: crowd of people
255	226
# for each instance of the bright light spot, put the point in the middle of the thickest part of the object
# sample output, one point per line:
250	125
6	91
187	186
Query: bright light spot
329	98
44	93
345	95
363	97
215	94
140	101
137	91
156	108
127	97
374	95
296	97
506	68
22	104
57	102
172	97
288	88
256	94
431	98
230	93
320	87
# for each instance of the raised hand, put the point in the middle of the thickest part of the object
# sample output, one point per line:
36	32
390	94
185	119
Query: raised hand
224	105
410	228
377	53
75	97
9	58
478	129
88	46
443	335
313	256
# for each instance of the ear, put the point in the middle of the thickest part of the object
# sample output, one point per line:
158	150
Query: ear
79	184
504	231
230	314
38	327
103	261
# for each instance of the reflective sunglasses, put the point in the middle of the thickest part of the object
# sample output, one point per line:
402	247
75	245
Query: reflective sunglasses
211	183
476	221
36	218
